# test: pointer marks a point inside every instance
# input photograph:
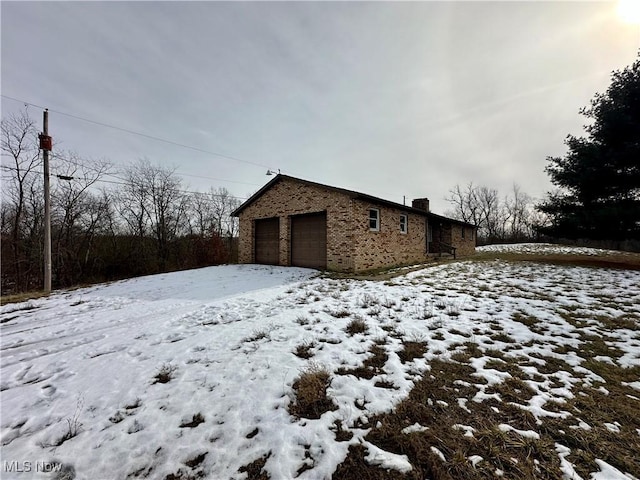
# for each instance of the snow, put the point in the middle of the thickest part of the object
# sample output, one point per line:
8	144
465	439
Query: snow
438	453
416	427
568	472
634	385
386	460
468	430
89	359
547	249
607	472
503	427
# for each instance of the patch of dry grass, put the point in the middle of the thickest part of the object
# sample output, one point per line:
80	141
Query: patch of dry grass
371	367
254	470
165	373
433	404
605	259
411	350
357	325
21	297
310	389
304	350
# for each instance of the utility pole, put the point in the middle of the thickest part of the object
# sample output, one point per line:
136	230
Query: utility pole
46	145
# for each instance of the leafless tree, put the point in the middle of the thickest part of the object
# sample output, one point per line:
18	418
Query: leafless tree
507	220
201	214
77	211
223	204
153	203
519	208
20	191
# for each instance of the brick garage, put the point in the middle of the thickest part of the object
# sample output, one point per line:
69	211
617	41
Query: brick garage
291	221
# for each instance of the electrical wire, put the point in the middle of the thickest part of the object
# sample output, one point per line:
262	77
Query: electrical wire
124	183
132	132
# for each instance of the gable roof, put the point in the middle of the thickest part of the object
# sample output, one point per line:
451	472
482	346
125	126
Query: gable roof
349	193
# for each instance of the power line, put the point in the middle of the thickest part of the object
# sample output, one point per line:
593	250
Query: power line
5	167
132	132
90	167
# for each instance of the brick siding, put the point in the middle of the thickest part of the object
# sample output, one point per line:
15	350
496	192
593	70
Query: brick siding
388	246
286	198
351	245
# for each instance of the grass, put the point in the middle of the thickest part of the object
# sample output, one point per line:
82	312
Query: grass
258	335
21	297
310	390
304	350
371	367
604	259
165	373
442	400
598	420
196	420
357	325
254	470
412	350
516	456
433	402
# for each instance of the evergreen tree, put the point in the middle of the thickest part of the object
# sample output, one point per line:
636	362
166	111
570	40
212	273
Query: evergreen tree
599	177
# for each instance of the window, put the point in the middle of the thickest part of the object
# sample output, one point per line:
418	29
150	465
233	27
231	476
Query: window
404	223
374	219
463	233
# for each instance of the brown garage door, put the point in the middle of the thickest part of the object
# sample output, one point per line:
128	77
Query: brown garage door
309	240
266	243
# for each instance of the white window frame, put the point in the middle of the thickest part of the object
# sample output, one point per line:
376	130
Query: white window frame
376	228
404	226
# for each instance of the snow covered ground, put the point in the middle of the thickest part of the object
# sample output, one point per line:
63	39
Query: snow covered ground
191	373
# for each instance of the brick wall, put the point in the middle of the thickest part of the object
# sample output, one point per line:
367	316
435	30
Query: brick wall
464	246
388	246
286	198
351	245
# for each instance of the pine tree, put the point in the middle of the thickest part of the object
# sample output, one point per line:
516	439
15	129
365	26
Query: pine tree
599	177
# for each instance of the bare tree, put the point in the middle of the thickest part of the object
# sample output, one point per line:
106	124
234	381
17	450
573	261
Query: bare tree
507	220
519	208
77	212
223	204
153	203
201	214
465	204
20	189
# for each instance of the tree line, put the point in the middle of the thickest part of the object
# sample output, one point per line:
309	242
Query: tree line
143	222
500	219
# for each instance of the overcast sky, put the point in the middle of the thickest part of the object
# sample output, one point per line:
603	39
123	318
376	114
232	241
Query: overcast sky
385	98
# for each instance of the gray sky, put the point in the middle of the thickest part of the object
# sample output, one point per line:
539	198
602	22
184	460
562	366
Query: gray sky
386	98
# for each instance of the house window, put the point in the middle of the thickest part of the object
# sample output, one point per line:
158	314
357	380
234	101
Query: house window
374	219
463	233
404	223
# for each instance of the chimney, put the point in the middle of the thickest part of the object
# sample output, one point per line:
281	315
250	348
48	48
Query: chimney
420	204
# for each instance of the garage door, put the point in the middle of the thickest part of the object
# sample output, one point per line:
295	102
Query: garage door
266	243
309	240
